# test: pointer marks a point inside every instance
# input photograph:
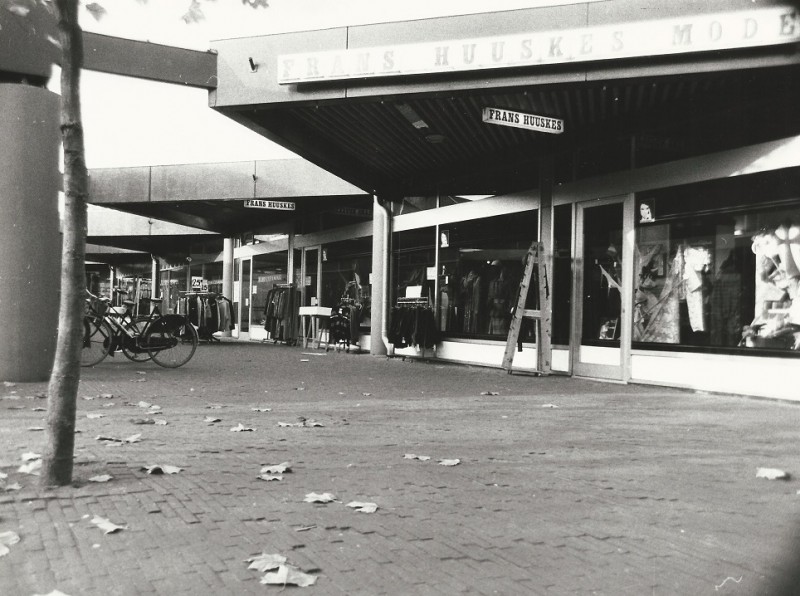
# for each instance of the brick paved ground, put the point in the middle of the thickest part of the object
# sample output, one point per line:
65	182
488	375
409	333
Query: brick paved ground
619	490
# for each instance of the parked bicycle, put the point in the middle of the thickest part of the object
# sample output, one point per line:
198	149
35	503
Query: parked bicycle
169	340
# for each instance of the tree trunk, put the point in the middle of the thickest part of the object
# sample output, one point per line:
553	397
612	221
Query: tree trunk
63	388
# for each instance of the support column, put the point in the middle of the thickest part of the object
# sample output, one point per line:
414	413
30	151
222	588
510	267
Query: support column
227	274
546	238
30	235
381	247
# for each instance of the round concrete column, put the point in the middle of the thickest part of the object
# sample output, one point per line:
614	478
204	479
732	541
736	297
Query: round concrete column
30	237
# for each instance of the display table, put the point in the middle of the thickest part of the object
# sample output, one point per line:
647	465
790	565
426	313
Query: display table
313	323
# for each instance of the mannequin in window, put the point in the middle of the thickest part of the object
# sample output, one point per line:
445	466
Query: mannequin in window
499	299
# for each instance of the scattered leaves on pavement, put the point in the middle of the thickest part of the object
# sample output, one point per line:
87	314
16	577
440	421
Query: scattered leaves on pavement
772	474
319	498
211	419
101	478
269	477
7	539
265	562
303	423
449	462
362	507
419	457
107	526
93	415
32	467
490	393
240	428
159	469
115	440
282	468
287	574
261	409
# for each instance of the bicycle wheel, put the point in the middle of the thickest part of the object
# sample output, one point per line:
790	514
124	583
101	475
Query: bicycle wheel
96	340
171	341
129	351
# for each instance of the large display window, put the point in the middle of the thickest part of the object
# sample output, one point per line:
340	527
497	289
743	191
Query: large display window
718	267
346	270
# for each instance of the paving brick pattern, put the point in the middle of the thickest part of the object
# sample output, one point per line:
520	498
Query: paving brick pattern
620	490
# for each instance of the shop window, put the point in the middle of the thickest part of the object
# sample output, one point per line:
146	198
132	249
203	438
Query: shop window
346	270
717	267
561	299
414	269
269	272
481	263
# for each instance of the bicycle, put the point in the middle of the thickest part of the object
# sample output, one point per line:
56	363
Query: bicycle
169	340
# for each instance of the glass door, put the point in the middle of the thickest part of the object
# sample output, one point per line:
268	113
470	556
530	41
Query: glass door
246	297
311	275
601	290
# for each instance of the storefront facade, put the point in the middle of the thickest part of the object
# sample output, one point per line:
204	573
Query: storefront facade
656	160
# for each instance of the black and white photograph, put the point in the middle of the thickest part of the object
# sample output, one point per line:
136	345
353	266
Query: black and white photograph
369	298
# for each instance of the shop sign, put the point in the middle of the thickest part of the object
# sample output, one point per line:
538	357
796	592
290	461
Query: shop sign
262	279
353	211
679	35
262	204
503	117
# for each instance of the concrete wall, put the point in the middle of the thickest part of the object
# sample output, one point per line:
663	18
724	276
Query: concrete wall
30	238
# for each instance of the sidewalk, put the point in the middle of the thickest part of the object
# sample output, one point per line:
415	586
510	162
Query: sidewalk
563	487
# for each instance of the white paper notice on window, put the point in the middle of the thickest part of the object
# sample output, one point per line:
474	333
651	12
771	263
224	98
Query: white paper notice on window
414	292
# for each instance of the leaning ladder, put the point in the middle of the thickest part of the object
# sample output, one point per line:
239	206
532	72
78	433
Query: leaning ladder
534	257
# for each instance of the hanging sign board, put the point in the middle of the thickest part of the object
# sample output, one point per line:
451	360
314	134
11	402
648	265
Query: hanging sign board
199	284
261	204
553	126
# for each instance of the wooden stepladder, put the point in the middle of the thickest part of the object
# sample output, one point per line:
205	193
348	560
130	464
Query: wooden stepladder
534	258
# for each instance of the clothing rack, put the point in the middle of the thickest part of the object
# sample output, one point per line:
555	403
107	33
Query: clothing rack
281	313
210	312
413	324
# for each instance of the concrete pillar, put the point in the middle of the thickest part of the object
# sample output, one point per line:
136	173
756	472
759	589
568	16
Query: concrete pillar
227	274
30	235
381	245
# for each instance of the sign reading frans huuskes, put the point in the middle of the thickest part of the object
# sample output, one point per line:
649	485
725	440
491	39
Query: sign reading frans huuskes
553	126
260	204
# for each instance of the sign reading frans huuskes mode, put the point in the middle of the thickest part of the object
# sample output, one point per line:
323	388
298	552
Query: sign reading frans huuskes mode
261	204
692	33
503	117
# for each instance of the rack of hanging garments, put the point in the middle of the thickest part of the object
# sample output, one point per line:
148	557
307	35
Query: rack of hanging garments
209	312
413	324
345	321
281	313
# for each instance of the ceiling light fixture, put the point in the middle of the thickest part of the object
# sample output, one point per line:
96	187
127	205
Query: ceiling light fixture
409	114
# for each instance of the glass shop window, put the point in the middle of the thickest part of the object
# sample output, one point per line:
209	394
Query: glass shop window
717	267
346	269
414	254
481	263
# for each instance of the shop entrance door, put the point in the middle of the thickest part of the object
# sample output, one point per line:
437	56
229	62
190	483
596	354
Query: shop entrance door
601	290
311	275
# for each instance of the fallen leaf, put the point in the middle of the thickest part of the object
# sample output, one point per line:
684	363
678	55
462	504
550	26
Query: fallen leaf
157	469
213	407
107	526
32	467
366	394
449	462
490	393
265	562
241	428
132	438
3	475
93	415
35	428
419	457
15	486
108	405
142	421
299	388
9	384
155	408
304	360
87	397
772	474
305	528
7	539
281	468
269	477
363	507
30	456
261	409
114	440
101	478
319	498
38	409
144	404
106	396
161	422
287	574
54	593
287	424
549	406
211	419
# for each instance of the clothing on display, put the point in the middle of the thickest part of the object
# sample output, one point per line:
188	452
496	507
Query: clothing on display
280	313
210	313
413	326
